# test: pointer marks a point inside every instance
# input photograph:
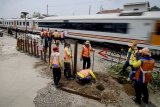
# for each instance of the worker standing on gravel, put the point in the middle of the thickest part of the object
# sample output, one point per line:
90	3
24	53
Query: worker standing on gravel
144	68
132	56
45	40
56	65
56	37
85	76
62	37
67	61
85	55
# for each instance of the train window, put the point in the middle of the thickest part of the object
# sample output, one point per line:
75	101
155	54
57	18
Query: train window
17	23
23	23
12	23
20	23
0	22
27	23
136	9
131	14
65	21
103	27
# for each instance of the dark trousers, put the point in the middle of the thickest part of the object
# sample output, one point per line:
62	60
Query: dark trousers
141	89
125	67
86	60
67	70
84	80
56	75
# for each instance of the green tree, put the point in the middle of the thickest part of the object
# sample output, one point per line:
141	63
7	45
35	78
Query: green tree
155	8
36	14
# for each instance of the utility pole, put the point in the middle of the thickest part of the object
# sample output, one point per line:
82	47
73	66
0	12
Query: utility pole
89	9
25	15
47	9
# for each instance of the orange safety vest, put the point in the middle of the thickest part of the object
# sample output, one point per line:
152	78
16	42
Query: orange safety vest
55	61
56	34
86	51
62	34
48	34
41	33
66	56
45	33
146	70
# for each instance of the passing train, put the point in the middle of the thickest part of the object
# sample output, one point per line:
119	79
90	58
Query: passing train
115	28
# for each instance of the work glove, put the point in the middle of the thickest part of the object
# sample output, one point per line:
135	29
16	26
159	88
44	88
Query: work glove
128	79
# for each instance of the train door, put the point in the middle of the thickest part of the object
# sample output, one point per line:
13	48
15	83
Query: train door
14	24
33	26
155	37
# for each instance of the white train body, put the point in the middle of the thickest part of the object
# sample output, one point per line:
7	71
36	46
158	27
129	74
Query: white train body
117	28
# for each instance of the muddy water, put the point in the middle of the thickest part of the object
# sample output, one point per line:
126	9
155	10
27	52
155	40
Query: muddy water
19	81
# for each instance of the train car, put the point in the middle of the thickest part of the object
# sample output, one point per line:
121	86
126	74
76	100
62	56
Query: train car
115	28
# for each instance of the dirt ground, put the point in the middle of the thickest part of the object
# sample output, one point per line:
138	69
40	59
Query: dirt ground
108	90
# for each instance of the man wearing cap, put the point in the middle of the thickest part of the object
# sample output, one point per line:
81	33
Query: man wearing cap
85	55
56	65
144	68
132	56
67	61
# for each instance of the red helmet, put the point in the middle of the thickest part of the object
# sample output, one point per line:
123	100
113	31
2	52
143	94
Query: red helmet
55	48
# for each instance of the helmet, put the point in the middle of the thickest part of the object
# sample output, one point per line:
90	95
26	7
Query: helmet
87	42
145	51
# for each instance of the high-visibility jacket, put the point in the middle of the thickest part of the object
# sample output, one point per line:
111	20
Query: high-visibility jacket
85	73
145	67
48	34
56	34
62	34
45	33
86	51
55	60
67	54
132	55
42	33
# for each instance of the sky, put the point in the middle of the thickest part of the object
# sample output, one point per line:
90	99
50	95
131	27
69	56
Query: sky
13	8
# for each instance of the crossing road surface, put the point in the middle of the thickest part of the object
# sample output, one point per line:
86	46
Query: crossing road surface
19	82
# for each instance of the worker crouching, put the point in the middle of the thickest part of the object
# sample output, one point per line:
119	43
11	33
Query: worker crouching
56	65
85	76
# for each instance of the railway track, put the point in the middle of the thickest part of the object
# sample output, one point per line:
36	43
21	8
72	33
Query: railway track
117	55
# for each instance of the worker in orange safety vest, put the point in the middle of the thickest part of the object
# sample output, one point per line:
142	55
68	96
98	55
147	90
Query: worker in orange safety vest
56	65
85	55
62	37
56	37
144	68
